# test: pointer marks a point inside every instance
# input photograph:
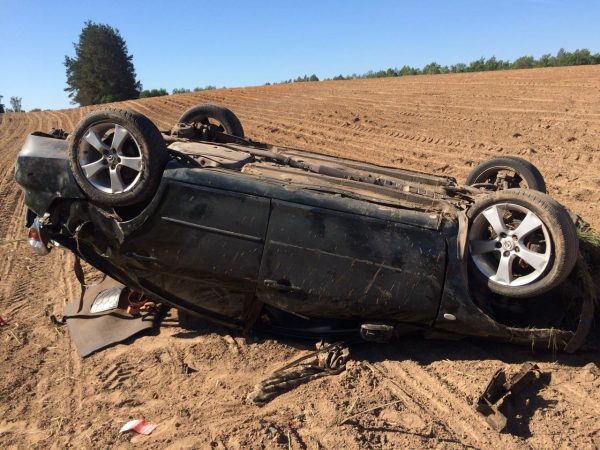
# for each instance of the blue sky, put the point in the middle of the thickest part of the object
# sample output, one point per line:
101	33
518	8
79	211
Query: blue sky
244	43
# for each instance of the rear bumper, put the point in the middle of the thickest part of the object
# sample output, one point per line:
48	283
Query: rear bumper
42	170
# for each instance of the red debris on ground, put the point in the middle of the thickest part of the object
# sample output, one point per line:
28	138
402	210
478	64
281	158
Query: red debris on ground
141	426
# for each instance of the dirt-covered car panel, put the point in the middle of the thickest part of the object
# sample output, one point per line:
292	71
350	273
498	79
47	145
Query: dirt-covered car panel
324	263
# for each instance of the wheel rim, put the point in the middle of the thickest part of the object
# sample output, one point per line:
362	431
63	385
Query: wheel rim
494	176
510	245
110	158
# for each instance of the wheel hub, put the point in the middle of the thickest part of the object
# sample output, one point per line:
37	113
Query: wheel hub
508	244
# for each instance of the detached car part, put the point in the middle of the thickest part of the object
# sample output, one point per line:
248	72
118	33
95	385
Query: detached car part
500	389
328	359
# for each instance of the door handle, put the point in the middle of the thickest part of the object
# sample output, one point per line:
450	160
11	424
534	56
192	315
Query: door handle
141	257
282	286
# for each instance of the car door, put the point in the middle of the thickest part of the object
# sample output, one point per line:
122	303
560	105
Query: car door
320	262
201	246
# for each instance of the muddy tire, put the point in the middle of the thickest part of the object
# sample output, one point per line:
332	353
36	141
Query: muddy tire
205	112
522	243
526	175
117	157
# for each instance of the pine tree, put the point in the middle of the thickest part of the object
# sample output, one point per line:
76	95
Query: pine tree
102	70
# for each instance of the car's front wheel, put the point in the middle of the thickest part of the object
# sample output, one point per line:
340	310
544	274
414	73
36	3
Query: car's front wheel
522	243
117	157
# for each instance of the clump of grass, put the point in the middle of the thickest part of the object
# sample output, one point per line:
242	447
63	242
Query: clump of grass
589	237
589	273
589	245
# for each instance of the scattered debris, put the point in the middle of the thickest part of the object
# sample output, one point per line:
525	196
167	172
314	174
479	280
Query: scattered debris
107	300
138	304
15	336
3	322
234	347
499	388
141	426
326	360
186	369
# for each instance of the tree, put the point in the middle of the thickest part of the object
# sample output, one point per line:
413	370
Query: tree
102	70
524	62
458	68
408	70
1	105
15	104
547	60
492	64
432	68
562	57
180	91
153	93
477	66
581	57
210	87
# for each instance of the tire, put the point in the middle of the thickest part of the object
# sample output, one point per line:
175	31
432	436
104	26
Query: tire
488	170
548	241
201	113
117	173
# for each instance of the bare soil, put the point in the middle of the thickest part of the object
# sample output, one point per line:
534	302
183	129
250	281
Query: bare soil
50	398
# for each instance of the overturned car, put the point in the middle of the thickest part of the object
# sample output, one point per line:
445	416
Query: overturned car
301	244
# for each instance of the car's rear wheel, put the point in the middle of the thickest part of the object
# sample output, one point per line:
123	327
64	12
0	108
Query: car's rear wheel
217	115
117	157
522	243
507	172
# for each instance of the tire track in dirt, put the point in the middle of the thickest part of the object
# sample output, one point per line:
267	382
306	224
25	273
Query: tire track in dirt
442	404
20	290
16	288
372	137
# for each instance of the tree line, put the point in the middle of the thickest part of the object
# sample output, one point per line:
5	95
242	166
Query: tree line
161	91
578	57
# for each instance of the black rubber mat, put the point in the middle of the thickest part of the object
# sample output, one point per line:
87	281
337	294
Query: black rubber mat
93	332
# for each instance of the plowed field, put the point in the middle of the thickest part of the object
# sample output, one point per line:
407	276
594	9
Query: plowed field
50	398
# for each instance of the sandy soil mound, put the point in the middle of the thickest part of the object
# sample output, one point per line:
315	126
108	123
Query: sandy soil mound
51	398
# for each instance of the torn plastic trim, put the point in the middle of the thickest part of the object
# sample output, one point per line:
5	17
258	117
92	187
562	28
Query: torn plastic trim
37	239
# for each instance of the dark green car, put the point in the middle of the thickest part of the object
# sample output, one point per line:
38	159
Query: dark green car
253	235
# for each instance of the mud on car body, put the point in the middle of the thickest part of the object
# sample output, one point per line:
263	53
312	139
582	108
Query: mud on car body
253	235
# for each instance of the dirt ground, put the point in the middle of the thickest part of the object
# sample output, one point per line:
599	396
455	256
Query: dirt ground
50	398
